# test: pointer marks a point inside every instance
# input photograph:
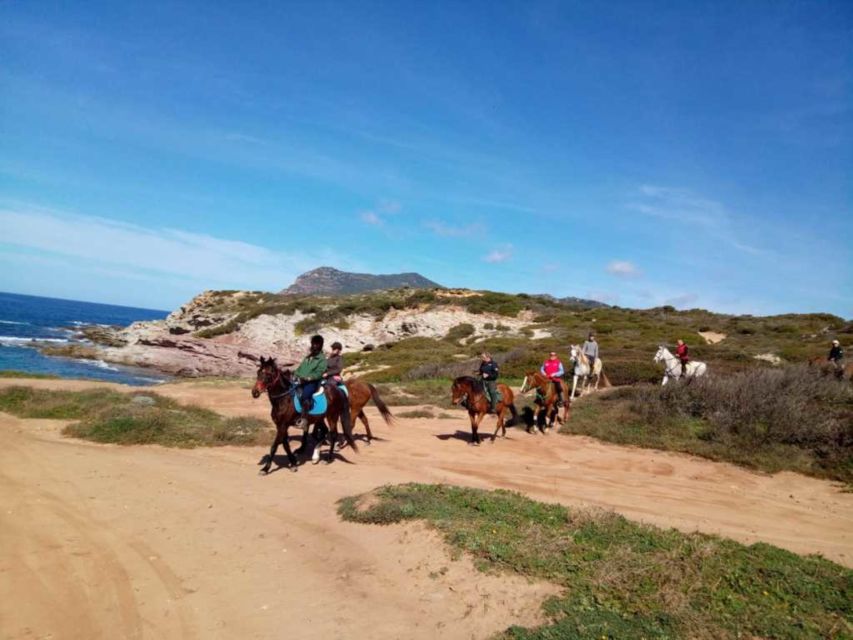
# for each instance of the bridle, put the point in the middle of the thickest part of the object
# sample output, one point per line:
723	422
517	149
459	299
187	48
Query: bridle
268	386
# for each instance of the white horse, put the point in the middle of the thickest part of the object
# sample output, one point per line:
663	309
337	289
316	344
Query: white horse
582	370
672	366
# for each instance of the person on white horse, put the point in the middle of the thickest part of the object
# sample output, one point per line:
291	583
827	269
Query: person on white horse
679	367
587	363
590	350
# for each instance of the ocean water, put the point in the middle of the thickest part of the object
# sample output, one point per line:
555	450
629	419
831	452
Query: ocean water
27	318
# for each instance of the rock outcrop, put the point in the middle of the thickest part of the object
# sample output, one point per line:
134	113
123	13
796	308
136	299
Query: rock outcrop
238	333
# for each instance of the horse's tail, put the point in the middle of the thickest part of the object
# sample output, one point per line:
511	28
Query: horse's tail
346	421
514	419
604	381
380	404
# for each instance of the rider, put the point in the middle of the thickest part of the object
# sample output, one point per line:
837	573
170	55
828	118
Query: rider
590	350
552	369
836	357
681	353
489	373
309	373
334	366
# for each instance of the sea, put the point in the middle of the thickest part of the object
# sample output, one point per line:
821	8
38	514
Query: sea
24	319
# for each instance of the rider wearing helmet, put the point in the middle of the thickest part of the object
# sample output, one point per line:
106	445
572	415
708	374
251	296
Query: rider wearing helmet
309	373
836	357
683	356
552	369
334	366
489	373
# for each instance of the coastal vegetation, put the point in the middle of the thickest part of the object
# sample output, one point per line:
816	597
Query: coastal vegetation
628	337
789	418
104	415
622	579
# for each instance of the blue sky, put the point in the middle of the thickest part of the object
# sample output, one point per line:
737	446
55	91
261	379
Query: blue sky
696	154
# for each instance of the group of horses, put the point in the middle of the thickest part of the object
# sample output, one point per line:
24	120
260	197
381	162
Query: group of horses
466	391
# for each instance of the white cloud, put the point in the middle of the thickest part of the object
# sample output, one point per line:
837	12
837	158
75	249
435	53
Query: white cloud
200	261
445	230
370	217
501	254
623	269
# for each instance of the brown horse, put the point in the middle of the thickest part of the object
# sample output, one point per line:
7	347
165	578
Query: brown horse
546	398
280	387
469	392
828	368
360	393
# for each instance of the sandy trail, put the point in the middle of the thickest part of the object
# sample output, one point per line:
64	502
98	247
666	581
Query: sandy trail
108	541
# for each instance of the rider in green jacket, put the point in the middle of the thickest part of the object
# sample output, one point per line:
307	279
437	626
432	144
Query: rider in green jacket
309	374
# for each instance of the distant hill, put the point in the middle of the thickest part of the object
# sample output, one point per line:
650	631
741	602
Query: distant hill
328	281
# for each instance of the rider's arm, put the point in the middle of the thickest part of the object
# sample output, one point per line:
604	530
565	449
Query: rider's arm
560	371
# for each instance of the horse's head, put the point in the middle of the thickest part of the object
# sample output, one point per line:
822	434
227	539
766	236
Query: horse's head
660	353
574	353
461	389
268	375
529	382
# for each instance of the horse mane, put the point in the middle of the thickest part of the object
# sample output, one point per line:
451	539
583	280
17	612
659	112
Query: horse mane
474	382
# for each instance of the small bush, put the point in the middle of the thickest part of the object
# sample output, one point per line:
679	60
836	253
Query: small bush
104	415
460	331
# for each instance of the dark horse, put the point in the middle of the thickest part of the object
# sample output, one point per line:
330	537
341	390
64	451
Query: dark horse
280	388
469	392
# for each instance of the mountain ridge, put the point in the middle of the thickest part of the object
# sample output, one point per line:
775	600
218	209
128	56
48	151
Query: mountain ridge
328	280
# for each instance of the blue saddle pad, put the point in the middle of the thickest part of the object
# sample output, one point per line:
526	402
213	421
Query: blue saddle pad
320	403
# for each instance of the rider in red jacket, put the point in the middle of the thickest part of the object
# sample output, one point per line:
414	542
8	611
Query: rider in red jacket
681	353
552	368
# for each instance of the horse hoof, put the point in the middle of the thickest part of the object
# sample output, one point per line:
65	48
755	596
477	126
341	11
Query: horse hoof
293	468
263	472
315	459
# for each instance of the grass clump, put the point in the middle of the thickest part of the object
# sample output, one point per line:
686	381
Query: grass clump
12	373
104	415
626	580
789	418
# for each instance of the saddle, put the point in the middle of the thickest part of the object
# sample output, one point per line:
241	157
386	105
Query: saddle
321	403
498	395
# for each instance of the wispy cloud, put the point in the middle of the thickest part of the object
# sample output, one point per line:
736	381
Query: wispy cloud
446	230
379	213
168	253
370	217
501	254
623	269
682	206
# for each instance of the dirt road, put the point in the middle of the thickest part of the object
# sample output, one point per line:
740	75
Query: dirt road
146	542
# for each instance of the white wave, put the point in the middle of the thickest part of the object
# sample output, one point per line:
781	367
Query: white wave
17	340
12	322
100	364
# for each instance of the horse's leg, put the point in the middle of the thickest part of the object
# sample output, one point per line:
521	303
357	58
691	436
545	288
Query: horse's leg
475	424
499	423
333	438
665	378
363	418
266	468
574	386
291	457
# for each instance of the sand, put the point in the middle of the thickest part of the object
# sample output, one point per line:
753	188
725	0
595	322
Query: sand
147	542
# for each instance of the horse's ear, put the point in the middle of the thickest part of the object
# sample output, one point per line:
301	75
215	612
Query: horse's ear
263	361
